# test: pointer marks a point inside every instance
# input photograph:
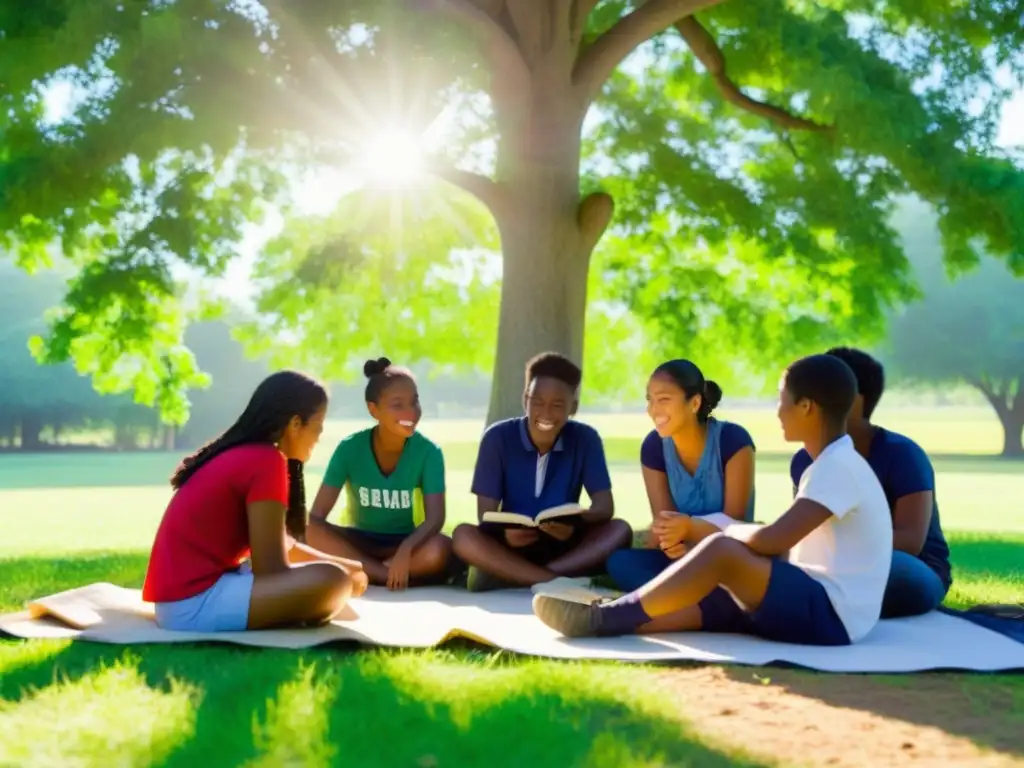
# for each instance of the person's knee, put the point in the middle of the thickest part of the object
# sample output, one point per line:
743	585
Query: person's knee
912	589
620	532
717	544
464	539
332	587
436	552
723	550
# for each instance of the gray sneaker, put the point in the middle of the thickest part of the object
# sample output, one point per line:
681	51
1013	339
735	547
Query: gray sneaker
570	618
482	581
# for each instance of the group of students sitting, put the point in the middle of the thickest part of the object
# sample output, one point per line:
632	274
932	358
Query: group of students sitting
237	550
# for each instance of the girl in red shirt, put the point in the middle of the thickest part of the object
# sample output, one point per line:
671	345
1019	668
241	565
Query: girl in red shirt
228	554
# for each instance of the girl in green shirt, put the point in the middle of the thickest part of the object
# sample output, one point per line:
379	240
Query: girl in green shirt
393	479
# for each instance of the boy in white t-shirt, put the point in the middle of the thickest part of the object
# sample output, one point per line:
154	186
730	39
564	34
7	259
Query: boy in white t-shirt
837	534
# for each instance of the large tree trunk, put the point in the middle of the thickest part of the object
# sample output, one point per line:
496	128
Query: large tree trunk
1013	439
1012	419
547	235
1007	400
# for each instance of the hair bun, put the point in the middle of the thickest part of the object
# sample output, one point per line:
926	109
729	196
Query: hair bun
375	367
712	395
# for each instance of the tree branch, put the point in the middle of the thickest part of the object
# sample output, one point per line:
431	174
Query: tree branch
710	55
990	393
581	12
593	216
509	72
1017	401
598	60
487	191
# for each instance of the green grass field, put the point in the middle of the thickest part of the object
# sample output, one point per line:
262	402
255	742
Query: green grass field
69	519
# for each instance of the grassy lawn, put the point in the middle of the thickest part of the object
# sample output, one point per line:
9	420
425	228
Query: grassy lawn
73	519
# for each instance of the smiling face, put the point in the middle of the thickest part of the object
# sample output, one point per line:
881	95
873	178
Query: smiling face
300	438
548	403
398	411
669	407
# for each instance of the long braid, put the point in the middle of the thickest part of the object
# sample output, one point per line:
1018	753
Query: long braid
250	428
295	518
280	397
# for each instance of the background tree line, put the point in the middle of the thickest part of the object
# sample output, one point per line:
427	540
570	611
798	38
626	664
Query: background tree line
964	331
49	406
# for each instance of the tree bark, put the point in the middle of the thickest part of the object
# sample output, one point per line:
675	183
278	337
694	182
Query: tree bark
1013	424
547	234
1007	400
1013	439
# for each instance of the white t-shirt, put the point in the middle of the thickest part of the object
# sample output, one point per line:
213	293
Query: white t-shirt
850	554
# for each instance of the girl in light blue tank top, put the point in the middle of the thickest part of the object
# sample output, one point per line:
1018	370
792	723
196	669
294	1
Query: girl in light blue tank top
680	402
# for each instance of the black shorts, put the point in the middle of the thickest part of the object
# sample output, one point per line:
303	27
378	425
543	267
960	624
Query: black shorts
378	545
542	551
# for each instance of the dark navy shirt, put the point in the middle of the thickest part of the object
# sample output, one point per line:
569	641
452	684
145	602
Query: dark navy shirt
733	439
506	467
903	468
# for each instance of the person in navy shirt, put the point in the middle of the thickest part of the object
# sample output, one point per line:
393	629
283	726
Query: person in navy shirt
533	463
693	466
921	574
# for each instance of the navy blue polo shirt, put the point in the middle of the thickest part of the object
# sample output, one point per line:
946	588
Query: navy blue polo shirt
903	468
507	467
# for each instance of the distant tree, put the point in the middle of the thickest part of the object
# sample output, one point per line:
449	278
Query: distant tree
970	329
233	378
36	399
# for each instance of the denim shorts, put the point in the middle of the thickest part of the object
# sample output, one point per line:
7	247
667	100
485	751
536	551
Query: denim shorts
224	607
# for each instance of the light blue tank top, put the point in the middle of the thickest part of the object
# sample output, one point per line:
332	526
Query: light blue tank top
703	492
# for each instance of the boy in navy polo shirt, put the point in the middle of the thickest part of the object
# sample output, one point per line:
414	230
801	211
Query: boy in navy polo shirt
533	463
837	538
921	573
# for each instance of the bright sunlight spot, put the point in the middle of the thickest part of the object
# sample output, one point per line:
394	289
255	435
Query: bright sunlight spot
393	156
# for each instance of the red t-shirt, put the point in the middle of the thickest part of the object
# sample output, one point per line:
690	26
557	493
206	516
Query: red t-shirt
205	530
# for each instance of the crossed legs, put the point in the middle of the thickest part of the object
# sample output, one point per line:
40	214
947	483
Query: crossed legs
429	560
535	564
671	601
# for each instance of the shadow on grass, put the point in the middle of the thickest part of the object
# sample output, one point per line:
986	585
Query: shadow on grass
987	710
462	707
325	706
331	705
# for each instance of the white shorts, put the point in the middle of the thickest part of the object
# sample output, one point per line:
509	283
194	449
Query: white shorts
224	607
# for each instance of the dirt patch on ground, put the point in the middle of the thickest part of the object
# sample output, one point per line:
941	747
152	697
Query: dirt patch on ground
799	718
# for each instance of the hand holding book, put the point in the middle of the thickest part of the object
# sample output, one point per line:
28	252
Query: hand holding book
505	517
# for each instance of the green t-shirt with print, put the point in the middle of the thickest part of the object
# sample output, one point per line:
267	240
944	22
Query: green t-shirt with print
379	503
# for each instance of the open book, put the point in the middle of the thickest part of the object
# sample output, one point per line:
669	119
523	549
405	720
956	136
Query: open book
547	515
